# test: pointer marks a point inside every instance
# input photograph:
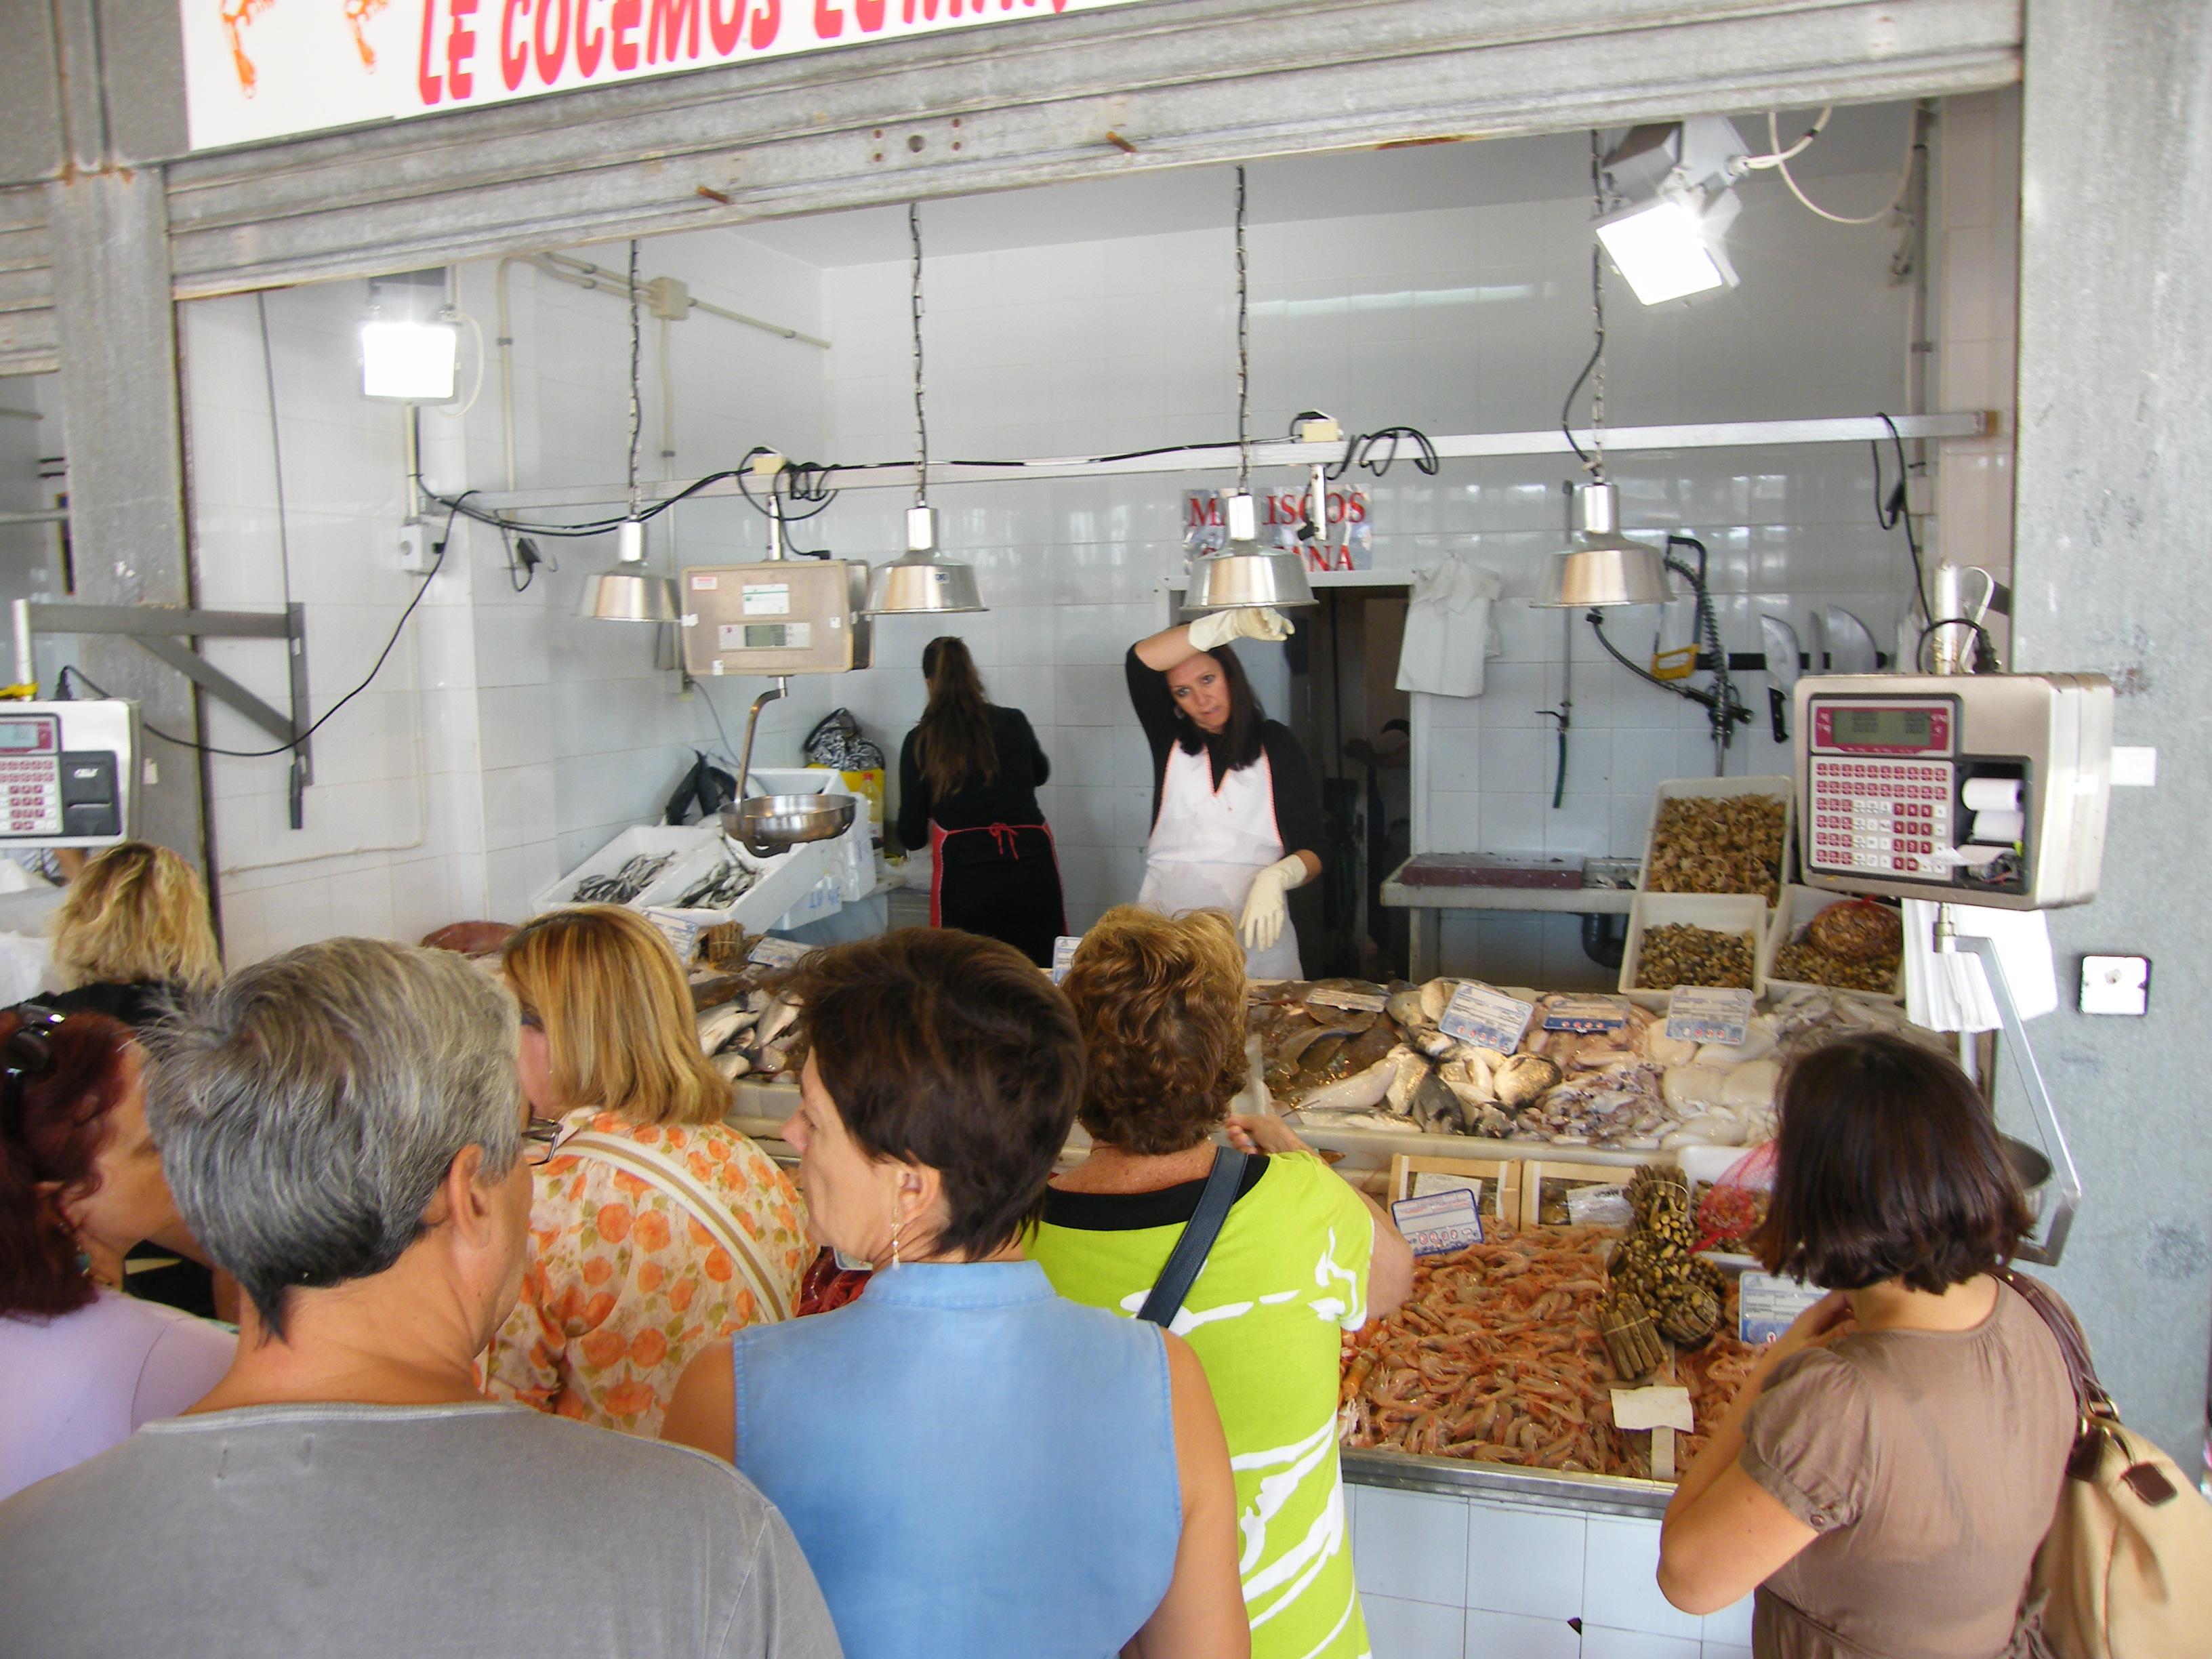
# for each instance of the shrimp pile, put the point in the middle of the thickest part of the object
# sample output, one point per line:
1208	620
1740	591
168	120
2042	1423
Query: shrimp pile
1496	1357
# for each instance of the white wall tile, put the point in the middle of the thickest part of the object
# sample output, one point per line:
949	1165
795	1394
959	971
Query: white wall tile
1412	1545
1515	1635
1620	1584
1399	1629
1525	1561
1602	1642
1730	1626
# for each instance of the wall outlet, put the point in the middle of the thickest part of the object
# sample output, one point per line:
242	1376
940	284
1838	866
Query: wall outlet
416	544
2116	985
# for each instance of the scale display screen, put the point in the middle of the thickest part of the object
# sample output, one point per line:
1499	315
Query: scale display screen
1851	726
1883	728
22	737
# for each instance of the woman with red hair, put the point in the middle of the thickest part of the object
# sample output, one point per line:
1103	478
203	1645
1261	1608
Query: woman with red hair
82	1364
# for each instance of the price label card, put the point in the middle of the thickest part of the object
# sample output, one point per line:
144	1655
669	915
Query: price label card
1439	1223
1766	1306
1587	1014
1599	1207
1662	1405
682	934
1706	1013
1486	1016
1063	955
777	953
1428	1183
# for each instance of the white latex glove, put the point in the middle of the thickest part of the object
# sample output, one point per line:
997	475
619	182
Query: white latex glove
1265	908
1249	622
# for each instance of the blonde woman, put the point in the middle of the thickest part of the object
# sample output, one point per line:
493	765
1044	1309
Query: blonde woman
655	1230
131	933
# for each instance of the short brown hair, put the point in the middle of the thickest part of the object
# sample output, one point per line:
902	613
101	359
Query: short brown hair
947	1050
54	1131
1160	1002
607	989
1888	1166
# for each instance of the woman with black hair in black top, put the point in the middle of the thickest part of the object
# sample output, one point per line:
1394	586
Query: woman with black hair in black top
968	774
1236	820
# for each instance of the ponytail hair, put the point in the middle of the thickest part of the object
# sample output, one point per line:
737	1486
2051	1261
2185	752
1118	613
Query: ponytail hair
952	740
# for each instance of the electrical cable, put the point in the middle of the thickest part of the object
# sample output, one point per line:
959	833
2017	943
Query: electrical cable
1597	350
437	564
1780	156
1898	510
1989	646
1911	156
1361	451
1243	354
920	418
637	412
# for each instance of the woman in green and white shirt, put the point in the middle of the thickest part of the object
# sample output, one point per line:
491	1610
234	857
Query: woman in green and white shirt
1302	1257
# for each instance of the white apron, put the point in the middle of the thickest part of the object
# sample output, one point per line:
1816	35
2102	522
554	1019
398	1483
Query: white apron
1210	843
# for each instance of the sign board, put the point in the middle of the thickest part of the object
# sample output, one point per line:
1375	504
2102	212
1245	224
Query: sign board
1486	1018
1767	1305
1438	1223
1349	544
257	69
1587	1014
776	954
1063	955
1707	1013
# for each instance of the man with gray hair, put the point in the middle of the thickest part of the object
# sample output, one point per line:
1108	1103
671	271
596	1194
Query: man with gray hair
343	1130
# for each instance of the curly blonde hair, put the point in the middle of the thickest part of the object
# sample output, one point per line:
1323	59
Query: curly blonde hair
1160	1002
136	913
607	991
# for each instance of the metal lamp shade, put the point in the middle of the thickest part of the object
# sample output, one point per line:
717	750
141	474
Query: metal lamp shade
627	596
922	584
1602	567
1245	574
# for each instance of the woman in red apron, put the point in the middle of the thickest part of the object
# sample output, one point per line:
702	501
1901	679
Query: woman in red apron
1236	820
968	774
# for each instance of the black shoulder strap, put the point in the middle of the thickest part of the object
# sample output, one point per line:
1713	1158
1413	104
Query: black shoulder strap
1199	1233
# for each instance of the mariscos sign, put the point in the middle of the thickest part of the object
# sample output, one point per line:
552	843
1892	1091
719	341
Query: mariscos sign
257	69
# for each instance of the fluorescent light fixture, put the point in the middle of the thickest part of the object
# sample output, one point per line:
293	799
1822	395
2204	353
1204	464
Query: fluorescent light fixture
414	362
1671	246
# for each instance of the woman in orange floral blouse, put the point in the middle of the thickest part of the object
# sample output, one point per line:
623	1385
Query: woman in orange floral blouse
656	1230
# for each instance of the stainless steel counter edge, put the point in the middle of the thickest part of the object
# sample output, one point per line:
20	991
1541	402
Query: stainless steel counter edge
1452	1477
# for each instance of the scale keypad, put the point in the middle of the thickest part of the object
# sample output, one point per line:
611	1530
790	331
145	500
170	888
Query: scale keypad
33	790
1881	816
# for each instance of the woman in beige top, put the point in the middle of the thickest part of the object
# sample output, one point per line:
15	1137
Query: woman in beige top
1886	1474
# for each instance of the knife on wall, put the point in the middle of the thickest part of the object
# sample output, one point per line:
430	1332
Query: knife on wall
1781	672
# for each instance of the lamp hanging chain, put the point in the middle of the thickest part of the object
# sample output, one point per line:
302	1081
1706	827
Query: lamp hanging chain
1243	354
634	416
1596	463
921	420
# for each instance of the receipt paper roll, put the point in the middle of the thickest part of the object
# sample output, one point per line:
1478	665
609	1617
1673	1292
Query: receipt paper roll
1999	826
1992	795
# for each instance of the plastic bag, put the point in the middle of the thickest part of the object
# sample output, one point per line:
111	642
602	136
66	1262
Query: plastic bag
835	742
1734	1208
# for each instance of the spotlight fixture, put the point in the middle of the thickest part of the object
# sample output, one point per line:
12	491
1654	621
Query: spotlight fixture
924	583
1670	241
410	340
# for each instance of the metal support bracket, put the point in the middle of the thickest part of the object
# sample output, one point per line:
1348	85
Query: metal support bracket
2048	1242
164	631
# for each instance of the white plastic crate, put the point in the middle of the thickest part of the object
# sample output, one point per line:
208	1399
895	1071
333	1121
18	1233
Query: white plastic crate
1799	906
1715	789
697	846
1723	913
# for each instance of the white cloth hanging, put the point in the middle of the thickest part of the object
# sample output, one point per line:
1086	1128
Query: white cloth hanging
1448	630
1949	991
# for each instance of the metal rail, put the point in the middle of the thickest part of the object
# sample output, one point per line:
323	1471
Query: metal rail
1715	434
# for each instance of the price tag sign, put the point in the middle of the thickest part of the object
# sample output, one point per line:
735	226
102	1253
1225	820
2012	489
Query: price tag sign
1486	1018
1587	1014
1706	1013
1428	1182
1063	955
1766	1306
682	934
1360	1002
1663	1406
1439	1223
777	954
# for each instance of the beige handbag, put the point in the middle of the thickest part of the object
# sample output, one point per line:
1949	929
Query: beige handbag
2125	1571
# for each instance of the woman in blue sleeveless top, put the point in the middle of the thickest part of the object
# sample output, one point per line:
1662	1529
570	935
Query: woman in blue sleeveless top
974	1466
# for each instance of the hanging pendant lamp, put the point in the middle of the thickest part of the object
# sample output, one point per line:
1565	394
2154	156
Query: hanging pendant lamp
1600	567
924	583
1244	573
631	592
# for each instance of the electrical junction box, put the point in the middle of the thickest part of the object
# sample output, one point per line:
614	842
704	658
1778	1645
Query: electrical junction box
66	772
780	617
414	555
2116	985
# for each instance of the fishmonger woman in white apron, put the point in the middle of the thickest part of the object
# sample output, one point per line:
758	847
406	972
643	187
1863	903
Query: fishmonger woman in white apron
1236	818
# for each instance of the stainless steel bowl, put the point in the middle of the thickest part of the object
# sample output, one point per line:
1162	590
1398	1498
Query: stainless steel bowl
2029	1165
768	824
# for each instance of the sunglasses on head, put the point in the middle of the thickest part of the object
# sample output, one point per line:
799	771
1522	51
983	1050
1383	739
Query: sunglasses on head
27	1052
